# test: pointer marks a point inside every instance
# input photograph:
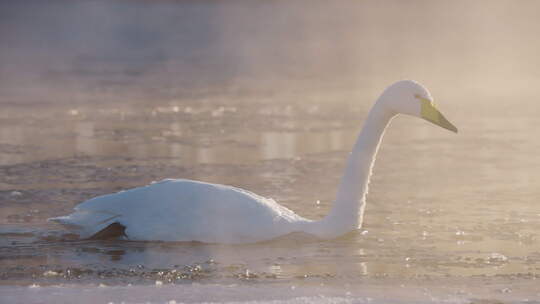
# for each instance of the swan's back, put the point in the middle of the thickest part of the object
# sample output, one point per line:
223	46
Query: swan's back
186	210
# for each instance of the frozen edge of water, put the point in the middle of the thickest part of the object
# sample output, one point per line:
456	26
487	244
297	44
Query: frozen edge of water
209	293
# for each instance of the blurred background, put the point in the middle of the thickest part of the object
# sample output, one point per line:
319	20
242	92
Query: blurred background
78	50
99	96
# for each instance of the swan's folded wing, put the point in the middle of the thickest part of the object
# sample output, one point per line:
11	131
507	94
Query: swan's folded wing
86	223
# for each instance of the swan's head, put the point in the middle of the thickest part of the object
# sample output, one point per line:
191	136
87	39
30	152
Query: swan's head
411	98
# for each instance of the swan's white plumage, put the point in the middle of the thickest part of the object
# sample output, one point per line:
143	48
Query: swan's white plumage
185	210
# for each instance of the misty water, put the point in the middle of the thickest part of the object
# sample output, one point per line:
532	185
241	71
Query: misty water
269	97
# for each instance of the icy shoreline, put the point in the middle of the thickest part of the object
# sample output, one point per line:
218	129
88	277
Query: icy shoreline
210	293
464	290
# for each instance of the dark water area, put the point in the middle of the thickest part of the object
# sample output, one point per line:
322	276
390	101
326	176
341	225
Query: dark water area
97	97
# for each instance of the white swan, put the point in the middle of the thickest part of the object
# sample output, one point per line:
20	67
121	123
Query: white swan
186	210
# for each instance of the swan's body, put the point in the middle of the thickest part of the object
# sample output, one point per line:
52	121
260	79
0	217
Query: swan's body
185	210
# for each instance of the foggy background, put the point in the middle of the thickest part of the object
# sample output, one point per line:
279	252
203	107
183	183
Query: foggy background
87	51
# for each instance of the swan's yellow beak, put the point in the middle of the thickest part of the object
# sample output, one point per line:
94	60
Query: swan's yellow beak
430	113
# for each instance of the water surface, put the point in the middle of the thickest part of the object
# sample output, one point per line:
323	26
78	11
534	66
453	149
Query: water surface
443	209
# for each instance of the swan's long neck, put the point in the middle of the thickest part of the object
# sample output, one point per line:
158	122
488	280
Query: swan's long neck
348	209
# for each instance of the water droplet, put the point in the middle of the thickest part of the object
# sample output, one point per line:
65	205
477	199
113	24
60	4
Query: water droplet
218	112
16	193
50	273
497	257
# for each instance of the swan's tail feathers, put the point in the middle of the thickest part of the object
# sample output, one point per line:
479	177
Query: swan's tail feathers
86	223
65	221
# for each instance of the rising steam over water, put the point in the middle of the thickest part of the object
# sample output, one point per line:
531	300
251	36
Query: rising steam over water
169	47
